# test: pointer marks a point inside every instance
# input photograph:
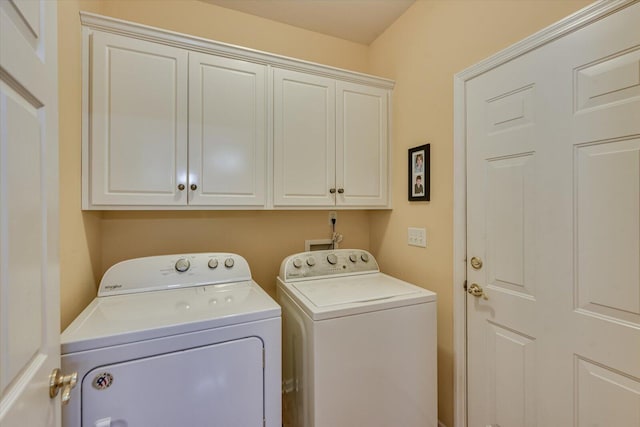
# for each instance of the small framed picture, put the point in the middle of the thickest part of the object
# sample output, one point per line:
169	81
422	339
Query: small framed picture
419	173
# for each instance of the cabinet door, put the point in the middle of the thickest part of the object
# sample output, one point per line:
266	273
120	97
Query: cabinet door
227	131
304	139
361	145
138	122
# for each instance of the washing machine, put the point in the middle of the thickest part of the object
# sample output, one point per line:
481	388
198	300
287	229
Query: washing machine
176	340
359	346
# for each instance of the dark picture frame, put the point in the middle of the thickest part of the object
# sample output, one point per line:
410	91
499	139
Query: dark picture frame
419	171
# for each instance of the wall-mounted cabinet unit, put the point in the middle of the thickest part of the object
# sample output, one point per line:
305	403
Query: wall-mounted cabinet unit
172	121
330	142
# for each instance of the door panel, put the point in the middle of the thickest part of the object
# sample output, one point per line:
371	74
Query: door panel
227	131
29	274
604	395
553	154
361	145
512	385
23	232
138	122
608	191
510	201
304	139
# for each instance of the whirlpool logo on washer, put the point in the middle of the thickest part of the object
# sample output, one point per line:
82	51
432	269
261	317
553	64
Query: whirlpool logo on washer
112	287
103	381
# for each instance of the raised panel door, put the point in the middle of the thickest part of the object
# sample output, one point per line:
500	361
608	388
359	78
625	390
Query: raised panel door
553	196
361	145
29	267
304	139
138	122
227	132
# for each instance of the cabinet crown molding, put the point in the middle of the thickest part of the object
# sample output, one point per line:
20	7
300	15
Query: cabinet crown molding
199	44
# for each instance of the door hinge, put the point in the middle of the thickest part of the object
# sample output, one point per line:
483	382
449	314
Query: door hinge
465	285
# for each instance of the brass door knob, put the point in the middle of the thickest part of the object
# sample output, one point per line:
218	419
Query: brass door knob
59	381
180	187
193	187
332	190
476	263
477	291
340	190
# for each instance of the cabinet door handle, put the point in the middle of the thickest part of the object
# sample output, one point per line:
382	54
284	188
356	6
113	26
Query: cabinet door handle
340	190
193	187
180	187
332	190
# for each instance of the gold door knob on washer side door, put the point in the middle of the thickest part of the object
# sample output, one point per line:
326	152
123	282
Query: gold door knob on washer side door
476	263
477	291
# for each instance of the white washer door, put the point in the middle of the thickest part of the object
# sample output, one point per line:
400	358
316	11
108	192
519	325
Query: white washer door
215	385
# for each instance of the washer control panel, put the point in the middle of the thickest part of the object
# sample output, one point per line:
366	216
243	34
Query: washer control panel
173	271
323	264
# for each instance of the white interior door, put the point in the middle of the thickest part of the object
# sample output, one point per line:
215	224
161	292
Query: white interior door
29	282
553	182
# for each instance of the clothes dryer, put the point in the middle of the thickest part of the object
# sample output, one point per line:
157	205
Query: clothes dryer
359	346
176	340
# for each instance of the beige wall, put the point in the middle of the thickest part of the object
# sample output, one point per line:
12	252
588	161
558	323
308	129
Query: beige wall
205	20
264	238
80	242
422	51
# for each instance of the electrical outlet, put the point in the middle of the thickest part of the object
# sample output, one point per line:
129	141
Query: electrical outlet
417	237
333	215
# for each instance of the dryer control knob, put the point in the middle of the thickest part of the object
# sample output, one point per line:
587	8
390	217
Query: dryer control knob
228	262
213	263
364	257
182	265
311	262
332	258
353	258
297	263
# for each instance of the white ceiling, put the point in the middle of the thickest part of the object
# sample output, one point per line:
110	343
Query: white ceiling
360	21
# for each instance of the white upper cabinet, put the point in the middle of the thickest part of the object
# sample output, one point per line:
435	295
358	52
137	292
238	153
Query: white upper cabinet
361	145
227	131
304	125
172	121
330	142
137	121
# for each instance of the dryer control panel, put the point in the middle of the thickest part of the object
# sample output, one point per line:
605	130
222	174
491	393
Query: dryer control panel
173	271
324	264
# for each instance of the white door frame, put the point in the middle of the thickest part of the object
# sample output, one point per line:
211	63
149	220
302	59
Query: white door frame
572	23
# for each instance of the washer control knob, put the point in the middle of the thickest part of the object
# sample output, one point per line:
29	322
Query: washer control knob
353	258
332	258
311	262
364	257
213	263
229	262
182	265
297	263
